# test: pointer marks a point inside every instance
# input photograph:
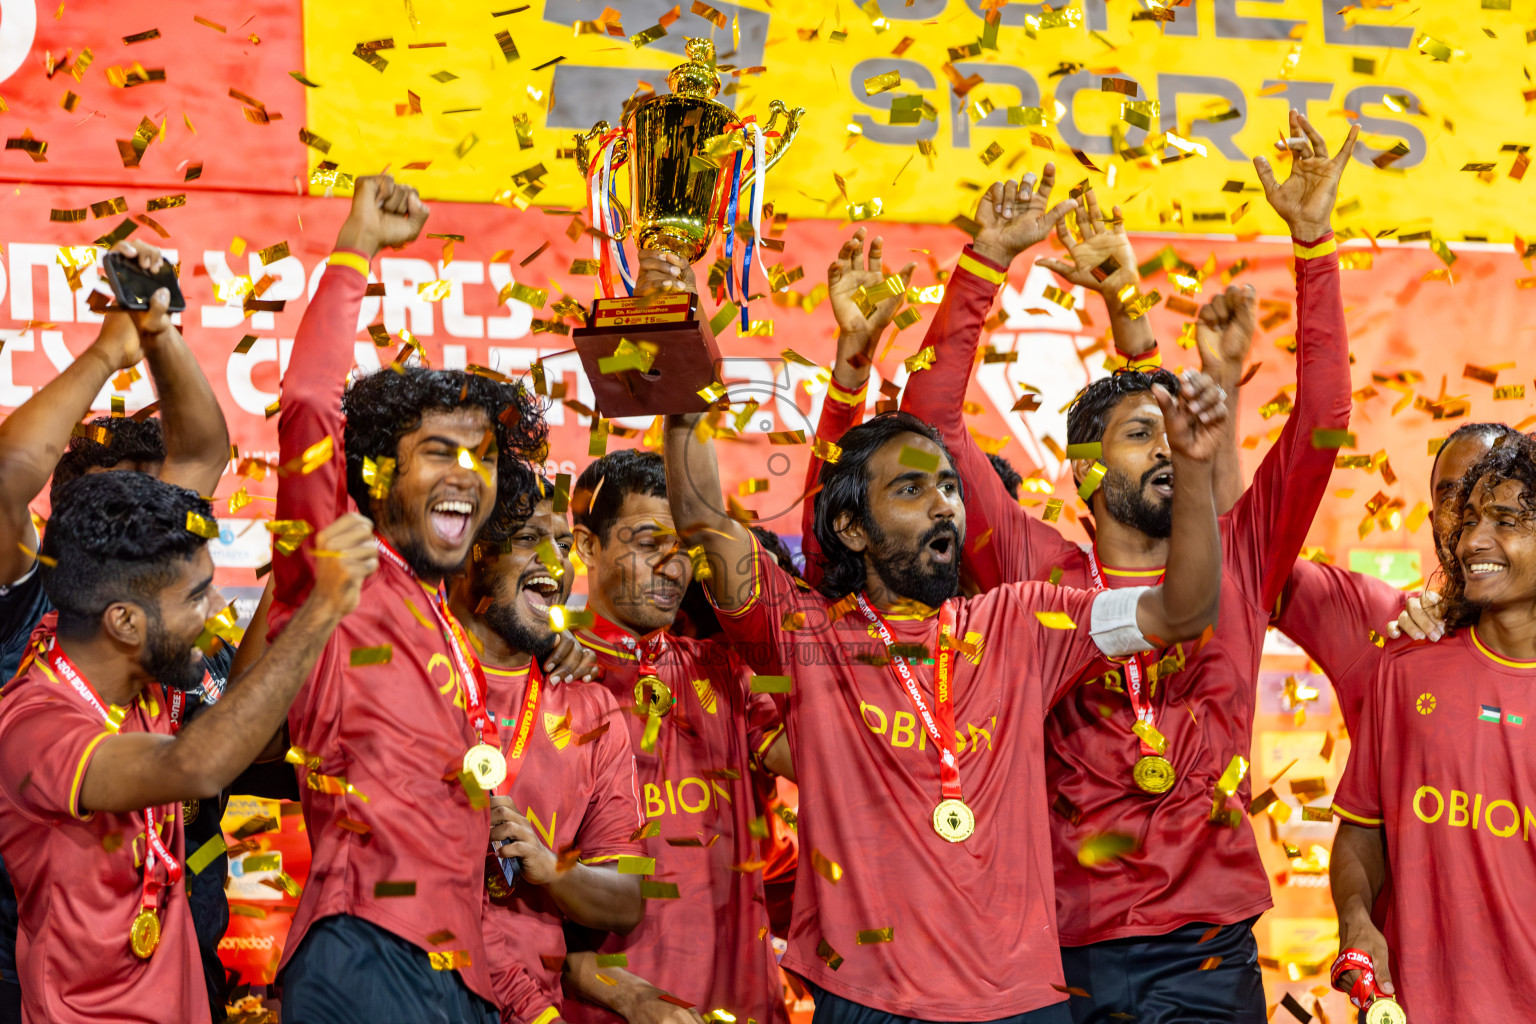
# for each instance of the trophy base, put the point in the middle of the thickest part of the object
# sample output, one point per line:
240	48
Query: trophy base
684	361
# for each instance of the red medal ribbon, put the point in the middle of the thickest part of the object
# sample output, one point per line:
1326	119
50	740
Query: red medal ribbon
1141	704
938	721
525	720
458	642
648	650
1365	988
154	846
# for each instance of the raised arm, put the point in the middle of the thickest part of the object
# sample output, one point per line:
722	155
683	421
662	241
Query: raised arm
131	771
1187	601
1002	542
383	214
1103	261
1271	519
858	334
196	437
34	436
1224	335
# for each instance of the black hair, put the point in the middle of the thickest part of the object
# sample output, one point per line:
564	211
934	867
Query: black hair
516	502
775	546
1513	457
116	537
1090	410
127	440
605	483
1007	474
845	490
384	406
1491	431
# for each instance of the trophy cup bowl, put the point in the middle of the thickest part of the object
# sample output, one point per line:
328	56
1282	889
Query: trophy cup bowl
676	204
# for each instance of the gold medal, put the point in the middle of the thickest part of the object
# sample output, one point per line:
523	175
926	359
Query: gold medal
144	936
1385	1010
486	764
1154	774
953	821
189	809
652	696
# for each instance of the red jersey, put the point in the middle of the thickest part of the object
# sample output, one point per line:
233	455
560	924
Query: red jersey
1330	613
1444	763
394	842
79	877
1184	870
705	933
887	913
576	785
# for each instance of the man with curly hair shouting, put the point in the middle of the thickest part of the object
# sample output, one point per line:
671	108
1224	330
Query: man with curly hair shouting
396	749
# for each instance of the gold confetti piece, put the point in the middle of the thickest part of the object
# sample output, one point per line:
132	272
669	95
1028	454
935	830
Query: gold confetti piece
652	890
380	655
1105	847
881	83
1325	439
647	37
827	868
382	890
1052	510
1055	620
1154	739
915	458
824	949
1434	48
509	49
770	684
451	960
209	24
66	216
1091	480
1210	963
202	526
1508	391
921	360
631	865
1121	85
1086	450
826	451
1317	814
870	936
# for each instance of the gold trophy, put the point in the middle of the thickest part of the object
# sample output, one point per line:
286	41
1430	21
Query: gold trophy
649	355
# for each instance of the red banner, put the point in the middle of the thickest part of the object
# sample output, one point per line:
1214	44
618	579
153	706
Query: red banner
1398	323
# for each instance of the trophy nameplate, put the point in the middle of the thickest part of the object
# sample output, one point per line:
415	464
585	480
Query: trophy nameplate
684	363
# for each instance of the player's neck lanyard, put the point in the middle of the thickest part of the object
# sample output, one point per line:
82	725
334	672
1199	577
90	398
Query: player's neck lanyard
458	643
522	735
647	650
1134	667
938	720
154	846
653	697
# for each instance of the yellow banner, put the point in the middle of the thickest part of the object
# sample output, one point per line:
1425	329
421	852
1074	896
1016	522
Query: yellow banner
1160	108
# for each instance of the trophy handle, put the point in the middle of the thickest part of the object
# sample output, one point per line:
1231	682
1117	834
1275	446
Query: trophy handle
584	161
583	140
791	129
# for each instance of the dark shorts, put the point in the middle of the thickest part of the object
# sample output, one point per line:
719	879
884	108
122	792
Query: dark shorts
1158	980
348	970
831	1009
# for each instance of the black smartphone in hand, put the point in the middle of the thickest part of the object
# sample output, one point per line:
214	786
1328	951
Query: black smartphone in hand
133	286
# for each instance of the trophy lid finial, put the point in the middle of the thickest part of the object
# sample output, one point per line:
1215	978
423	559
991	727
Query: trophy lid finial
697	78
